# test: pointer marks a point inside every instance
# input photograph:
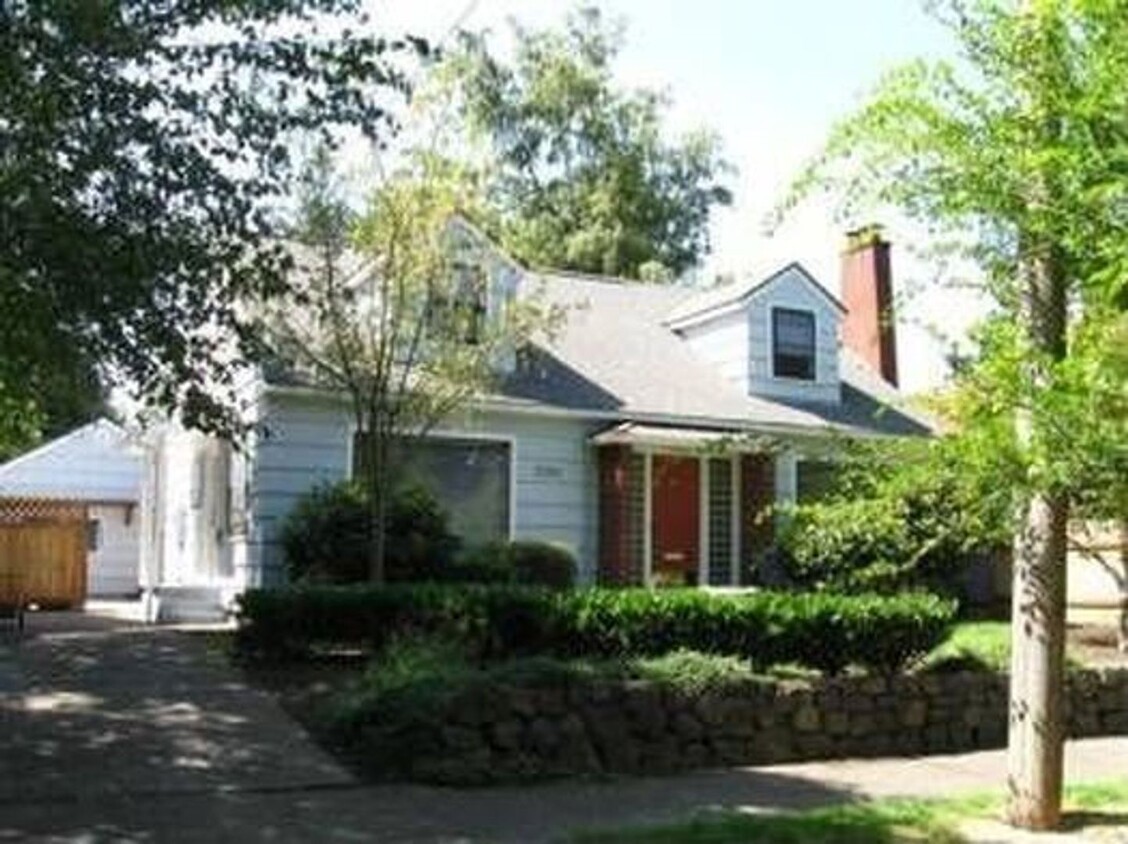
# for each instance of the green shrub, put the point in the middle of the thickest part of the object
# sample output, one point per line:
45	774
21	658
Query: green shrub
818	630
525	561
325	537
542	564
420	545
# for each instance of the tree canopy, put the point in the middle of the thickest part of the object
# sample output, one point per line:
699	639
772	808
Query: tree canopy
146	147
584	175
1016	158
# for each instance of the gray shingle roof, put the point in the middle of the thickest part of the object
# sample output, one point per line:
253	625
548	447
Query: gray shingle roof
615	353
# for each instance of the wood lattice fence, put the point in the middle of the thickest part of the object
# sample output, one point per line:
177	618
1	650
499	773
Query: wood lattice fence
42	552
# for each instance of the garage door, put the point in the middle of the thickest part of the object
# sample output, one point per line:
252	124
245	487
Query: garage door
42	552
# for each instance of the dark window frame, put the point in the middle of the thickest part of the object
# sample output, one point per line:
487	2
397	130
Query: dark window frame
794	363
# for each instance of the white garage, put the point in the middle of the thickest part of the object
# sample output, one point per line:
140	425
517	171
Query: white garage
99	467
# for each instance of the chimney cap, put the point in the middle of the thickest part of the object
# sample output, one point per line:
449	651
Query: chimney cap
870	234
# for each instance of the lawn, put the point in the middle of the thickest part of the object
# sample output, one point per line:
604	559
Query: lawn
1088	808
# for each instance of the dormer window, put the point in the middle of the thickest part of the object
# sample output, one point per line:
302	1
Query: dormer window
793	344
461	310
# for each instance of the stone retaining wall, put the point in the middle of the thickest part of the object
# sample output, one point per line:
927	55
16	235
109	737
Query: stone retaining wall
638	727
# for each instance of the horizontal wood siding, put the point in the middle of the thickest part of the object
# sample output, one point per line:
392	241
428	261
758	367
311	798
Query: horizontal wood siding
306	441
793	291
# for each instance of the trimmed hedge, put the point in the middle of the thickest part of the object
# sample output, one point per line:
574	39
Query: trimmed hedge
819	630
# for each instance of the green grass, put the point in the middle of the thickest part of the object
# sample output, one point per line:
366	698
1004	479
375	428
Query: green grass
880	822
974	644
978	645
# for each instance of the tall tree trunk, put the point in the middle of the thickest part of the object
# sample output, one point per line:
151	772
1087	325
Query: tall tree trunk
1036	721
1122	580
1037	729
377	489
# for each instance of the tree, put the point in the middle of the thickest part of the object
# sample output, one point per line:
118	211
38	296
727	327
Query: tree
1015	159
422	326
145	147
584	178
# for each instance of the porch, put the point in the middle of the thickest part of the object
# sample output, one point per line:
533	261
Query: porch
687	507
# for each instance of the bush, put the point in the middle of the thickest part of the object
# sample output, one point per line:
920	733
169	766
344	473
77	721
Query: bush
530	562
420	545
542	564
325	536
902	514
819	630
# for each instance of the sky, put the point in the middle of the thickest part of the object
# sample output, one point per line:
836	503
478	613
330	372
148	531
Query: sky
770	77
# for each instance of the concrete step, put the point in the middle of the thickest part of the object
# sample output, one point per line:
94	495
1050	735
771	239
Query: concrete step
190	604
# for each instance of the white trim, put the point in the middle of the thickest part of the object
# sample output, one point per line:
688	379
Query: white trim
788	379
647	519
709	312
460	434
703	521
734	562
500	404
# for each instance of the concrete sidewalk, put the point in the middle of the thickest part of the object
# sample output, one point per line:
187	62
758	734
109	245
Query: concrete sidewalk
122	733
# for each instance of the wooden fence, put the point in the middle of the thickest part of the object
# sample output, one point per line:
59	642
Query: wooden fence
42	552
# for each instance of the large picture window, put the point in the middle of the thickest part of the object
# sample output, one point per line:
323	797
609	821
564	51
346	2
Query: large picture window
793	344
470	479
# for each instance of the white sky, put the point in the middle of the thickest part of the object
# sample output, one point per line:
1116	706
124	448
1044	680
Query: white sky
770	76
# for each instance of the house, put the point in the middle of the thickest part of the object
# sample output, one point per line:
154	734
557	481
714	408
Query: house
85	483
648	435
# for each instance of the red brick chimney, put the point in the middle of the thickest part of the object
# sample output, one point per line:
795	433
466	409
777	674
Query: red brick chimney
867	292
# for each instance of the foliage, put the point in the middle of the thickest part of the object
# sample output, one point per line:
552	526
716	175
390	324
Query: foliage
888	821
1014	160
522	561
325	536
823	631
582	176
415	331
420	544
146	147
903	513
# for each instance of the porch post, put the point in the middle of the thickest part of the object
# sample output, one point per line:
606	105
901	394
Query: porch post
734	560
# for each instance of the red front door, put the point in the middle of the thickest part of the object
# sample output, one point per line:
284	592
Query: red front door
676	520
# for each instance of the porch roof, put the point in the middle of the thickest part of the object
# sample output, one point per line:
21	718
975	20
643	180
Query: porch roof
659	436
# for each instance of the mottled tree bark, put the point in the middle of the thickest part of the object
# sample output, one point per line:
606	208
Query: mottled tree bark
1036	719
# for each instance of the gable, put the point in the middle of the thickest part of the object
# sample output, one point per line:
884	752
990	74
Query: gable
94	463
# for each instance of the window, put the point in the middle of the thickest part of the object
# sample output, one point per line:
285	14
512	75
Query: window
468	478
793	344
814	480
93	535
461	311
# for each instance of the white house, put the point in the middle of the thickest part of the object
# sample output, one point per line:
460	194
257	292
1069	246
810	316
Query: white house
596	440
98	466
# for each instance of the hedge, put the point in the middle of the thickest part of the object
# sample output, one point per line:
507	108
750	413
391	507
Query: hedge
818	630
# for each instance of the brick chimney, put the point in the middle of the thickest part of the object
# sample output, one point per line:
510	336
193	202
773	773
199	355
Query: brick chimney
867	292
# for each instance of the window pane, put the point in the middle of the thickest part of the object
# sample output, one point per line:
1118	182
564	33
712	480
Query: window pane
470	480
793	336
814	480
720	521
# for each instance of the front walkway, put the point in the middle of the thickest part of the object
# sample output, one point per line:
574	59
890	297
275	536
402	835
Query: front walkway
115	732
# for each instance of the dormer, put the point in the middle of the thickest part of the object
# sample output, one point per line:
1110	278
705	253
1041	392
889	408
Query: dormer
775	337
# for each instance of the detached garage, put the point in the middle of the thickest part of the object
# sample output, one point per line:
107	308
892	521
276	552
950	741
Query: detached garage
69	517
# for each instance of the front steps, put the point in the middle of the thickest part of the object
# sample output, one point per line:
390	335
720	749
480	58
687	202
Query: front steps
190	605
